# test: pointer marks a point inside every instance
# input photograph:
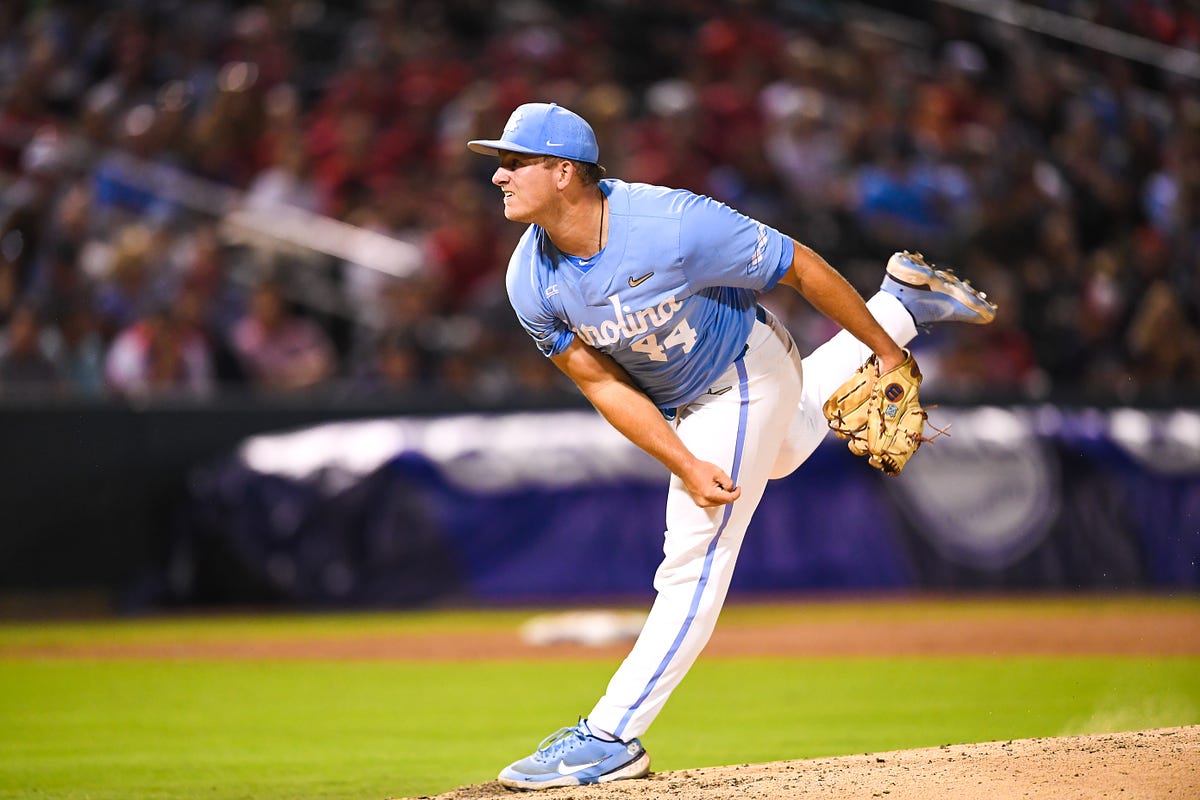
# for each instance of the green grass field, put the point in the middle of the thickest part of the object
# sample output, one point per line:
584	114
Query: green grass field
225	729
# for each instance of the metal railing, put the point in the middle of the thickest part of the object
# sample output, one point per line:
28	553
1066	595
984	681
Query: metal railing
1087	33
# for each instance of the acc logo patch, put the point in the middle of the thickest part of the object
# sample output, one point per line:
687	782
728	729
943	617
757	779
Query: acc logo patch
893	392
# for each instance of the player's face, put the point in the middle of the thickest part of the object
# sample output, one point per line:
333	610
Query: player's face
527	183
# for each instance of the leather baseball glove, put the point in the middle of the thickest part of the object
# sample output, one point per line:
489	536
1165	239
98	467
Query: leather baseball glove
880	416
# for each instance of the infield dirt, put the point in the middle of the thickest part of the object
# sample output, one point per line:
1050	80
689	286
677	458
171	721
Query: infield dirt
1140	765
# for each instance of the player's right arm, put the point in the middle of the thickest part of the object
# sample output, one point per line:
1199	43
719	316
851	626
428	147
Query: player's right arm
628	409
832	295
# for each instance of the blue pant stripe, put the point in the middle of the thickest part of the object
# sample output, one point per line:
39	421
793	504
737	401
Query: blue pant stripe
702	583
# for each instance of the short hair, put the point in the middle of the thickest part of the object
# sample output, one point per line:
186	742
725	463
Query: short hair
590	173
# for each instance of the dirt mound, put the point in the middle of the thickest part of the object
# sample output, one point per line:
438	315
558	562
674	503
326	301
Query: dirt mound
1138	765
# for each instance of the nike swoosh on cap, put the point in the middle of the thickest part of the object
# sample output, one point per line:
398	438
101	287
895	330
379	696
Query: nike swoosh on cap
553	144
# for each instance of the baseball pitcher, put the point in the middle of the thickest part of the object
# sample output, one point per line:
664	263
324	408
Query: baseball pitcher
645	297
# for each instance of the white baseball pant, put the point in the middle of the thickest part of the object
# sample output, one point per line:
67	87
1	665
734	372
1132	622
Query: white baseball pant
767	424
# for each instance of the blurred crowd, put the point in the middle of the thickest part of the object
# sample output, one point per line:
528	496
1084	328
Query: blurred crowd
1062	180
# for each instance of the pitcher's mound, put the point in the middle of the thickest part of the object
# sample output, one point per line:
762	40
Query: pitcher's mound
1158	764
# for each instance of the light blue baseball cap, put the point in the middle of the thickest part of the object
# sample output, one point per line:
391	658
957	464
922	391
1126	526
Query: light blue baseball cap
544	129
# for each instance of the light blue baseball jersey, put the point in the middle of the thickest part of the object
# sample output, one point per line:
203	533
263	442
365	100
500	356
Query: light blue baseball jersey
671	297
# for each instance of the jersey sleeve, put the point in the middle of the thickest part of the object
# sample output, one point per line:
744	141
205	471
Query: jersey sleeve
528	295
722	247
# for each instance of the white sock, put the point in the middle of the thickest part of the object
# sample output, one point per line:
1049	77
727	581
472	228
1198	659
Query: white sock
599	734
893	316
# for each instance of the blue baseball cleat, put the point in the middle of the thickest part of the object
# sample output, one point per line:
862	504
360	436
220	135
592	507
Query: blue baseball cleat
934	295
573	756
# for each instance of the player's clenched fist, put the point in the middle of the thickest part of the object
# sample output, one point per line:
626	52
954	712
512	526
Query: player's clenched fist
709	485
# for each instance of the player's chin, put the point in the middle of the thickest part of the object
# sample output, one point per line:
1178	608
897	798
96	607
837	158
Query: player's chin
514	214
517	211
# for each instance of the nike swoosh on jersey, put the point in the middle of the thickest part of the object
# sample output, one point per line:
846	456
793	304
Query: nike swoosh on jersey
563	769
634	284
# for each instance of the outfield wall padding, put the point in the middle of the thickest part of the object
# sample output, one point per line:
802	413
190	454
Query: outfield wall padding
555	506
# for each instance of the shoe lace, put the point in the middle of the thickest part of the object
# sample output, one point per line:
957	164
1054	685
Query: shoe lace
564	739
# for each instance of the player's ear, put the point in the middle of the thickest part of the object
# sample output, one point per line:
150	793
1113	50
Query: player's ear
563	172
